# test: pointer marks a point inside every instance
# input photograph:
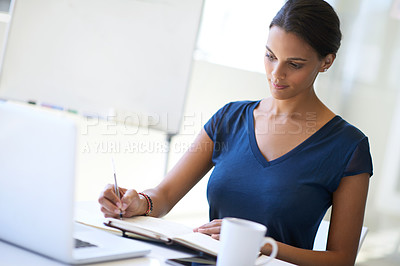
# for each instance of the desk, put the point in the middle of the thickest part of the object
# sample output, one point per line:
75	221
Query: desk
88	213
12	256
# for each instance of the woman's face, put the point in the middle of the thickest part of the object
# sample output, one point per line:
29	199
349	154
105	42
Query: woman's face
291	64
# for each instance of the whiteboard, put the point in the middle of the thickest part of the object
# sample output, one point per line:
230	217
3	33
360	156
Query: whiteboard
129	59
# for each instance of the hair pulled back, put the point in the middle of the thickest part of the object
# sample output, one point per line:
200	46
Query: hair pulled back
315	21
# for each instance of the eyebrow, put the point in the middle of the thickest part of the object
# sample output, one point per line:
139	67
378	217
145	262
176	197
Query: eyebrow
290	58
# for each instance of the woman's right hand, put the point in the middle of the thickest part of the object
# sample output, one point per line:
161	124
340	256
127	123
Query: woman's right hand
130	204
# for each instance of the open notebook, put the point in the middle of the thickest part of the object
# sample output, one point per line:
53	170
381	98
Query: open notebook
150	228
165	231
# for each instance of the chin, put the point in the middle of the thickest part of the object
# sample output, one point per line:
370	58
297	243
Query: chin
279	94
282	95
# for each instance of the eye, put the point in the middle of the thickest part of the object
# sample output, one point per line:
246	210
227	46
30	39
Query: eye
269	56
295	66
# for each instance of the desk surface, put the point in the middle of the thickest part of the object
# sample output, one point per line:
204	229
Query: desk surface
88	213
12	255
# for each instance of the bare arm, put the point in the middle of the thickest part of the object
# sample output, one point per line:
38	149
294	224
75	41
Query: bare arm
345	227
193	165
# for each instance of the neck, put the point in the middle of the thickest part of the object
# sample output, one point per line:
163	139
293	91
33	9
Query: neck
301	104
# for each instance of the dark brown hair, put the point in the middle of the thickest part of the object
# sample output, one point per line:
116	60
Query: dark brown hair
315	21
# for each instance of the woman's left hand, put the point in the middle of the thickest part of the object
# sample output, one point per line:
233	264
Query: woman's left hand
212	228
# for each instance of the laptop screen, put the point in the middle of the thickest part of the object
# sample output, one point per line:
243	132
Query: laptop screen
37	170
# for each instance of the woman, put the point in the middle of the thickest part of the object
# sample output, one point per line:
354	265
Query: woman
285	159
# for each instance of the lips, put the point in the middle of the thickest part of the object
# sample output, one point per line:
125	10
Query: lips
278	86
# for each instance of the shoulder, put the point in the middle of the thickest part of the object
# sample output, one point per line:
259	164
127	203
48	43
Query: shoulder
234	110
231	115
346	131
238	106
353	145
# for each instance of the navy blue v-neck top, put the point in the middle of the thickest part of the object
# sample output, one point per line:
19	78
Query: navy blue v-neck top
290	194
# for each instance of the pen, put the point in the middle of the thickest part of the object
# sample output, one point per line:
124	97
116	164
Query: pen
116	185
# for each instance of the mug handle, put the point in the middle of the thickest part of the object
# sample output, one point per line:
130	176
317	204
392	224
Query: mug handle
272	242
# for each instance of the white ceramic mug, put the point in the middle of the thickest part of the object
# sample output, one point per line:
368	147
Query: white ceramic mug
241	241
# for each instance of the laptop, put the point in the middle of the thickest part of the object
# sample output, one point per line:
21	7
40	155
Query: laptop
37	172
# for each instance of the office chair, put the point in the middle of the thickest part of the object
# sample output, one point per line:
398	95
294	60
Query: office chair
322	236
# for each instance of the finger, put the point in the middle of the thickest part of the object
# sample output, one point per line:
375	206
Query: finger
130	196
108	207
213	223
108	213
108	200
211	228
109	193
215	236
210	231
205	226
122	191
112	196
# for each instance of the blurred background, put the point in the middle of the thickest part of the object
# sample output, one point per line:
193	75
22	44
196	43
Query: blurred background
362	87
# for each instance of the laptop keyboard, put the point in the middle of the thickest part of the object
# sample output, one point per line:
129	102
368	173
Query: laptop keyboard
83	244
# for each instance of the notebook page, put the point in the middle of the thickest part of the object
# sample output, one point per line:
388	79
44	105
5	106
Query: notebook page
200	242
157	225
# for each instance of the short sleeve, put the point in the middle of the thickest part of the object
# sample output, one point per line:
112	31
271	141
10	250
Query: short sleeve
211	127
360	161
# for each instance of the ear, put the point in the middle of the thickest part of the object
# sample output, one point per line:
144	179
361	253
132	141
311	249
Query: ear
327	62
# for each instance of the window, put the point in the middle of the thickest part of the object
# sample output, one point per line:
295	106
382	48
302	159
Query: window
234	32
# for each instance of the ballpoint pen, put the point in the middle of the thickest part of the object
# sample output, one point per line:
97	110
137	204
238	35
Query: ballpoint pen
116	188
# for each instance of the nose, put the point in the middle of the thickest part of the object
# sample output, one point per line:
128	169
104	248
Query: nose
278	72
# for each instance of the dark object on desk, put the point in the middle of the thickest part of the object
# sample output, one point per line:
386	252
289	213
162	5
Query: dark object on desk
192	261
83	244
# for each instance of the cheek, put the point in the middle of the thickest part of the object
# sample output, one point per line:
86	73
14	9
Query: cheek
303	79
310	77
